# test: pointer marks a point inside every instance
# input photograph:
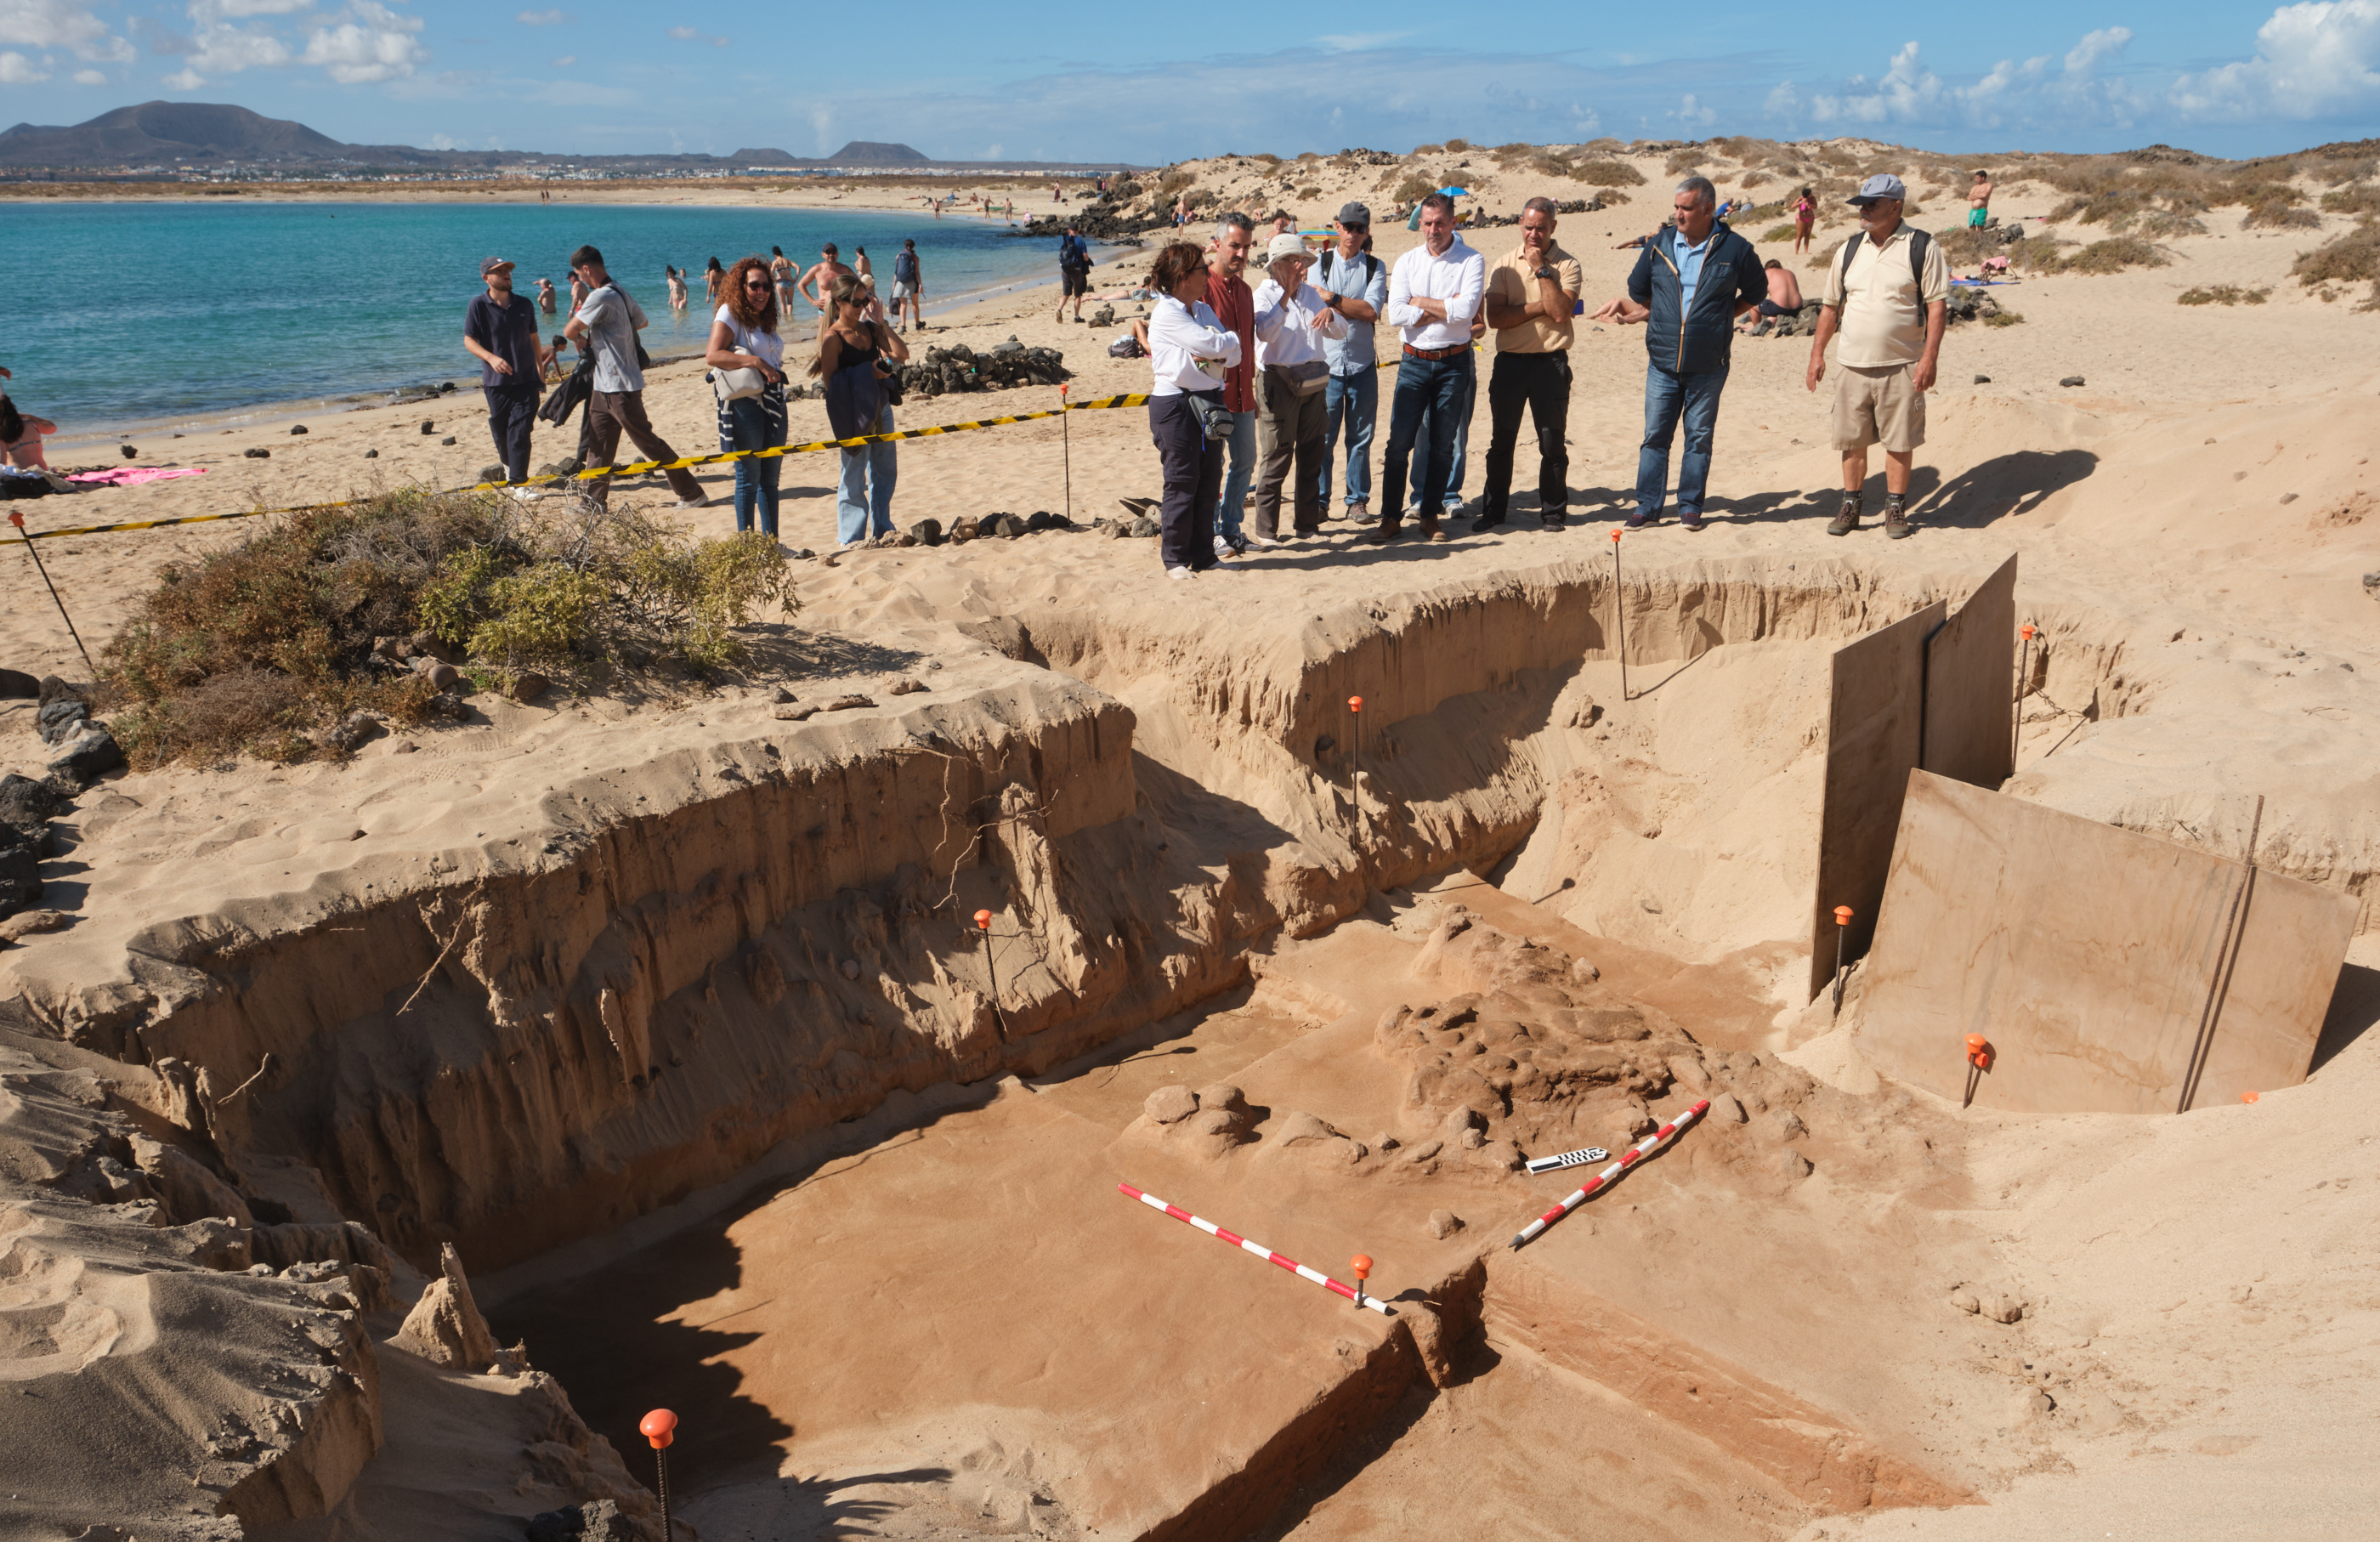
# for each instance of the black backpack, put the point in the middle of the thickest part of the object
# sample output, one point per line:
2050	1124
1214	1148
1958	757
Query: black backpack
1919	242
1371	264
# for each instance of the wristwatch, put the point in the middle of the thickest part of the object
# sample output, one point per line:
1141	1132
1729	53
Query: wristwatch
1545	273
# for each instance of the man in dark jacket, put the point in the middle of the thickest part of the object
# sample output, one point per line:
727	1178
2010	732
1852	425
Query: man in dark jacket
1690	285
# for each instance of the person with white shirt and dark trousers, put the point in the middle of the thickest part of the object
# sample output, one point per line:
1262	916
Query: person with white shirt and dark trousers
1292	319
1434	294
1189	352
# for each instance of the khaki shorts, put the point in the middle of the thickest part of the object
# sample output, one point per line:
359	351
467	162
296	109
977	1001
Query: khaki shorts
1878	406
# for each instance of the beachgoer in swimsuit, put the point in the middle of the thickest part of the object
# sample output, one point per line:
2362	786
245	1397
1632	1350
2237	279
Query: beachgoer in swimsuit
545	296
676	287
1806	214
780	274
1979	200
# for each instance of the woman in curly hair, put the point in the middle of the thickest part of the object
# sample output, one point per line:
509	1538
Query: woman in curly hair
1188	352
744	336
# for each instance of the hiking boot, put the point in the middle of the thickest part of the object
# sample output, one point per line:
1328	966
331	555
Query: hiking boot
1896	524
1360	513
1845	522
1485	523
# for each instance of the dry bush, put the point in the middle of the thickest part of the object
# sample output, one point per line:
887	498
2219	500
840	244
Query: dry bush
1267	157
1785	232
1429	150
2362	198
1546	166
1312	189
2005	318
2222	294
2111	256
1755	178
1609	173
2277	206
1308	158
2353	258
1684	161
1413	190
1456	145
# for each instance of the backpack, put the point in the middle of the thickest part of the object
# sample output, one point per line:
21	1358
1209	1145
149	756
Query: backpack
904	268
1918	244
1371	264
1072	253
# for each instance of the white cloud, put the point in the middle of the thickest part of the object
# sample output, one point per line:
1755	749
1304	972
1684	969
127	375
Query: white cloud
684	34
541	18
2315	60
221	50
205	10
444	142
2039	90
17	70
1357	43
67	24
565	61
376	44
1693	116
991	152
183	80
1784	102
91	77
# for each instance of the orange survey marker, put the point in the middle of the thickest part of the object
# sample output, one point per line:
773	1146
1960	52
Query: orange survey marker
660	1427
1842	929
1979	1059
1362	1264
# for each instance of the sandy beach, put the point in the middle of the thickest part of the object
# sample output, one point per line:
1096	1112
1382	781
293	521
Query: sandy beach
709	1082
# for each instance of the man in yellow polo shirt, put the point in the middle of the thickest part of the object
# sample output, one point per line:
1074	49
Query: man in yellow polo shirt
1887	295
1531	294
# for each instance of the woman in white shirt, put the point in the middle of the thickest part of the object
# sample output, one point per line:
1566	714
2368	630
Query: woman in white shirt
1188	352
744	336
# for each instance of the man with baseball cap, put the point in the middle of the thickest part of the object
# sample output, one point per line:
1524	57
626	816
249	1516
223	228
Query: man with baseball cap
1887	295
1355	284
500	329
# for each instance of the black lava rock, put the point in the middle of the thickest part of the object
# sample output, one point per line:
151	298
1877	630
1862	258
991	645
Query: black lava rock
296	430
929	532
257	454
2071	379
86	760
62	719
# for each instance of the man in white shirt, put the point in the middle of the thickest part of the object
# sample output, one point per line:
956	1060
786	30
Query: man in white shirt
1292	319
1887	296
1434	292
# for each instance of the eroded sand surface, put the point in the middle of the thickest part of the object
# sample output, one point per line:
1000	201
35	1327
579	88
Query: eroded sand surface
669	1013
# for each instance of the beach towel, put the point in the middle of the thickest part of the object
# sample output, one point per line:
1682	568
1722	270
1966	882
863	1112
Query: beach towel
133	476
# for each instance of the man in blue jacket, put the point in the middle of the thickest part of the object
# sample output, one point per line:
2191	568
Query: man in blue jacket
1690	285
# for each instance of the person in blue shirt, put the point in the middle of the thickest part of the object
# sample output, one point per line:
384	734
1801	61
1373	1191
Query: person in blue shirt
1074	271
1355	284
1690	284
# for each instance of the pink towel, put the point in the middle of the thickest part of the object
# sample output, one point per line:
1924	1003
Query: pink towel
133	476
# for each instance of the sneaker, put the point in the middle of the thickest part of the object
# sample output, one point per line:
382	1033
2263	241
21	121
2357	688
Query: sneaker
1691	521
527	495
1639	519
694	502
1260	539
1897	526
1360	513
1846	522
1485	523
1179	574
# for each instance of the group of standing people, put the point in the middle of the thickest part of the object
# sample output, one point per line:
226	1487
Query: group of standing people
1265	381
857	356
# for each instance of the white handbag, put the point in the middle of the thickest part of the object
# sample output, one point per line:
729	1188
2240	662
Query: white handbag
734	385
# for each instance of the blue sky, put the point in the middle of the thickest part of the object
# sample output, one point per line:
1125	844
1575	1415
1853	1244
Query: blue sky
1153	84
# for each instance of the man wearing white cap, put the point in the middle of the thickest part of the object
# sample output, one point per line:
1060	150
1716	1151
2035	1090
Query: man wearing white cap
500	329
1292	319
1887	294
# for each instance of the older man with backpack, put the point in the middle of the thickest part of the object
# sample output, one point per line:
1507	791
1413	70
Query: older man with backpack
1355	284
1887	295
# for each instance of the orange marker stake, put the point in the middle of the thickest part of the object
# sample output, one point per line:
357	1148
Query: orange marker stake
1620	631
660	1427
2247	1097
1362	1264
1066	440
1979	1059
1356	705
2024	672
1842	929
983	929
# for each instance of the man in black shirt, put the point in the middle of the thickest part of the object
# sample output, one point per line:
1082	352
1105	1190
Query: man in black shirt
501	330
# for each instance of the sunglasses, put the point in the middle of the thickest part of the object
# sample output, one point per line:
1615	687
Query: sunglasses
753	281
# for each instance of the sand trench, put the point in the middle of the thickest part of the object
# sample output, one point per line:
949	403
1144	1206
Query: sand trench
697	1062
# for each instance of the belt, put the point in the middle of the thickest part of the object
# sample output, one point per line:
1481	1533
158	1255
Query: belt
1411	352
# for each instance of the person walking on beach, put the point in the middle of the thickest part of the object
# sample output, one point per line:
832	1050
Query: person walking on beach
857	354
1887	296
781	278
1434	295
1190	351
1805	218
1355	284
500	331
1979	200
1074	271
607	324
1529	298
744	336
1292	319
545	296
817	286
1690	285
908	285
1228	295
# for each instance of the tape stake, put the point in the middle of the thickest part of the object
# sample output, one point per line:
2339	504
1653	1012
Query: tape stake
1261	1251
1634	1154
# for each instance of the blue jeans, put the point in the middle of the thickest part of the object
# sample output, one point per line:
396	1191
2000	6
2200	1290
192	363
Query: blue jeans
756	480
1429	391
1355	400
1669	395
1242	449
1462	437
867	489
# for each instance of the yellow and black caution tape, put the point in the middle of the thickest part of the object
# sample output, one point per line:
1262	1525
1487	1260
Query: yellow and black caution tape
634	468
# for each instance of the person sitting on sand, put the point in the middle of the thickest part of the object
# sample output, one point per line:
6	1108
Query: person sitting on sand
1189	353
1784	297
1979	200
856	337
1805	217
23	449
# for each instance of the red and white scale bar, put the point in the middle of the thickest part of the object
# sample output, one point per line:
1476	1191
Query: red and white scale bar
1628	1159
1259	1249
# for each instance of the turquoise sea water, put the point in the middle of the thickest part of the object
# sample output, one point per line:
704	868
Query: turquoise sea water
142	313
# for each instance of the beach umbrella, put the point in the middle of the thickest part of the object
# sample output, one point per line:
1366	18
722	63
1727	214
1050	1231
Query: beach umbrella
1456	192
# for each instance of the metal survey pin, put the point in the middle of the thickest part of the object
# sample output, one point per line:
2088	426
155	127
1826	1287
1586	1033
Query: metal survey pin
1362	1264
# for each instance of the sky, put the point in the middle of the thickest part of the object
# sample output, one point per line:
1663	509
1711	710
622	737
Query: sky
1148	84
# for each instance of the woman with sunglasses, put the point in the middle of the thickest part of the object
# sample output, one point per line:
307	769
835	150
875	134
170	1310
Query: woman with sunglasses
857	339
1188	352
744	336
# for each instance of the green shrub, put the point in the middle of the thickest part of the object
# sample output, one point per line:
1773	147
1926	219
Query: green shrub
1609	173
2277	207
1456	145
2353	258
2221	294
1428	149
2111	256
2362	198
1413	190
2005	318
1785	232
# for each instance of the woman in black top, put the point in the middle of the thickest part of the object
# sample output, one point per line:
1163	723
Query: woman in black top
857	354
